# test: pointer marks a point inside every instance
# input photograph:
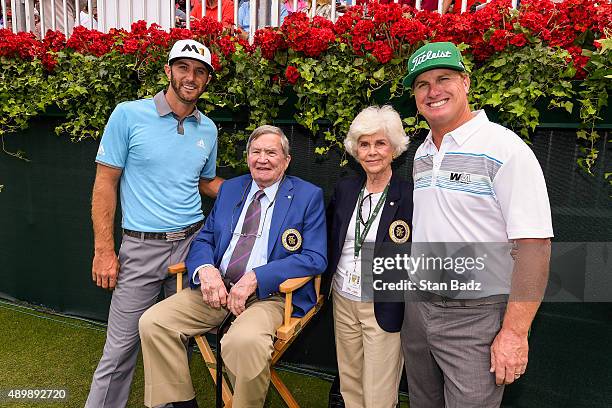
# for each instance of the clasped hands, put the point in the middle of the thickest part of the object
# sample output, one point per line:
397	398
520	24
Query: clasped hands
215	293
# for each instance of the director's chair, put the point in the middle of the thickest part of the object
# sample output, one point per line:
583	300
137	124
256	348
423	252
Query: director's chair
285	335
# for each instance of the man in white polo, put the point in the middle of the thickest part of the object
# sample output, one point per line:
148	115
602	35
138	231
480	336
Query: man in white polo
475	182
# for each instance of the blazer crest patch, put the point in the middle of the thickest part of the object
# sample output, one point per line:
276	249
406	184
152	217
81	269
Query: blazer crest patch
292	239
399	231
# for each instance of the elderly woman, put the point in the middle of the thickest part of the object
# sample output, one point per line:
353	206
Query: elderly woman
374	208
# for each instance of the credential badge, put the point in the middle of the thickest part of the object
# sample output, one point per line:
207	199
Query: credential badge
399	231
292	239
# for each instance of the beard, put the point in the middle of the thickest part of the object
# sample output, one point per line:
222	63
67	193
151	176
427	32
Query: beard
178	90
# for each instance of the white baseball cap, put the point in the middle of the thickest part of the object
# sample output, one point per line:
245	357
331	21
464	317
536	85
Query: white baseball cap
193	50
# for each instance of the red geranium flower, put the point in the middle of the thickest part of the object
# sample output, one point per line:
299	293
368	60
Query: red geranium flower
345	22
518	40
130	46
382	52
215	62
49	62
580	61
206	26
269	40
22	45
54	40
499	40
93	42
180	34
321	22
292	74
361	34
409	30
385	13
139	27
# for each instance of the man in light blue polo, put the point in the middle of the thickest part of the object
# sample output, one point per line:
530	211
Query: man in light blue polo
162	152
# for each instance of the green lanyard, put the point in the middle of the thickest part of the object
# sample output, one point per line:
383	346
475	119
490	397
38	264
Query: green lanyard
359	239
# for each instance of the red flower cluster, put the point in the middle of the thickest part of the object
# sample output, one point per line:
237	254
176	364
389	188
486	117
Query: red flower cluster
180	34
21	45
386	13
535	17
409	30
579	61
455	28
227	46
310	38
292	74
269	41
346	22
90	42
381	31
215	62
54	41
320	22
499	40
382	52
206	26
49	62
518	40
361	36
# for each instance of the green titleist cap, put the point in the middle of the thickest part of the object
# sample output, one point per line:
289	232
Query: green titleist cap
432	56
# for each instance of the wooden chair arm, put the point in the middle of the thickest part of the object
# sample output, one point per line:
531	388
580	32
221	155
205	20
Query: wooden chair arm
177	268
290	324
293	284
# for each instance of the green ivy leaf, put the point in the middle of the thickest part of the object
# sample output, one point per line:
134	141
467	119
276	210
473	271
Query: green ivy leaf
494	100
380	74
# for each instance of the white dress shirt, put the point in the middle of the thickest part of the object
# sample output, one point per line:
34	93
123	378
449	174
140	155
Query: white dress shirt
259	253
348	262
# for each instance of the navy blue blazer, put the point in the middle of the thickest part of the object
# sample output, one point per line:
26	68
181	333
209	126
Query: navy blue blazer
299	205
398	206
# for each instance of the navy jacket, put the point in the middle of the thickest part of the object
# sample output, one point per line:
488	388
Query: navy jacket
398	206
299	205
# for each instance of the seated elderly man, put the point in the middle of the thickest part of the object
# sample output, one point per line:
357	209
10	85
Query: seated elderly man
265	227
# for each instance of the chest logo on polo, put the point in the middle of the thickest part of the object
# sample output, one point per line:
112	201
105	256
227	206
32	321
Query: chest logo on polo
399	231
292	239
460	177
200	144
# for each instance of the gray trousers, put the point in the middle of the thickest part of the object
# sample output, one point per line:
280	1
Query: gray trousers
447	354
143	272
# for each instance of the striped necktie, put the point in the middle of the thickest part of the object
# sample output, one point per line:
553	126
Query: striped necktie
244	246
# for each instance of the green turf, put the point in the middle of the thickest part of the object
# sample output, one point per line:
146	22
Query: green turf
39	350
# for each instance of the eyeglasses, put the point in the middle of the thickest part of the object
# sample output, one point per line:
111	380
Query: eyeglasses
261	224
365	209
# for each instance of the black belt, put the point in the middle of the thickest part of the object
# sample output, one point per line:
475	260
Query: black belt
166	236
446	301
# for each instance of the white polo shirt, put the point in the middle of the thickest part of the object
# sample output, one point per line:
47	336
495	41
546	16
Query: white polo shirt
483	185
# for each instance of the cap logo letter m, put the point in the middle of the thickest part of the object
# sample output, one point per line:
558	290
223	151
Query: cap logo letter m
190	47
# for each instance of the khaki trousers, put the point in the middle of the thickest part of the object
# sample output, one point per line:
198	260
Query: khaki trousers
369	358
246	348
